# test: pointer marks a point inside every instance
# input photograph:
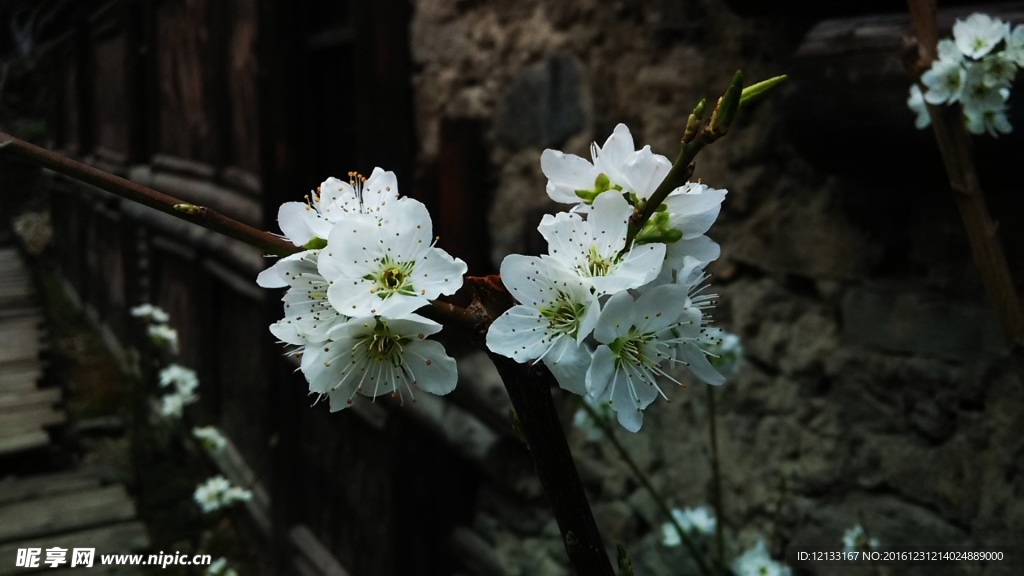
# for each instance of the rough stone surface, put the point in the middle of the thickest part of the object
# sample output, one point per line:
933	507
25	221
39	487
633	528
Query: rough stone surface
875	388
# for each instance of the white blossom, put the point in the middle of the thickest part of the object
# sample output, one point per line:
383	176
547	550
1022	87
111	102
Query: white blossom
637	337
308	315
373	356
757	562
944	81
557	311
979	34
590	248
615	166
312	220
388	266
216	493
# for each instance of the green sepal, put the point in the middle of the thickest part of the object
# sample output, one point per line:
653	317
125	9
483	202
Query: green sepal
728	105
694	121
601	184
315	244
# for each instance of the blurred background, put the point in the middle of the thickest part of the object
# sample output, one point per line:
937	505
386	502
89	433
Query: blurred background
875	388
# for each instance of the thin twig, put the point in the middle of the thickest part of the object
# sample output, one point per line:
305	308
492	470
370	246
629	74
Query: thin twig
205	217
716	476
684	536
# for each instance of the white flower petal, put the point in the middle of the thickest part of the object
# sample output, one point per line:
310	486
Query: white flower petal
568	362
432	369
566	174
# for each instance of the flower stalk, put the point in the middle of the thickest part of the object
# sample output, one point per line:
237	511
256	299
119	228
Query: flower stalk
684	536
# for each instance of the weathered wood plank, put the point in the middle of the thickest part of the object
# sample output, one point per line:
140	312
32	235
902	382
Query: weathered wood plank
31	399
23	442
31	487
121	538
20	375
13	423
29	312
65	513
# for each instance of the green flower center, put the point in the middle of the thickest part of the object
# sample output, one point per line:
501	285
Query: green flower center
565	316
393	278
384	346
598	265
629	350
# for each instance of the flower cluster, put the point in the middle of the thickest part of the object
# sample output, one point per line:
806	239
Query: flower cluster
369	264
183	383
161	334
976	68
609	312
217	493
180	382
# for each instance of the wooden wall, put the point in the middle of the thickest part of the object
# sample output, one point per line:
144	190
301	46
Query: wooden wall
216	102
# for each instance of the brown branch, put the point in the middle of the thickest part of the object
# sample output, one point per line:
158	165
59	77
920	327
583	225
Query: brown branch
957	154
135	192
530	393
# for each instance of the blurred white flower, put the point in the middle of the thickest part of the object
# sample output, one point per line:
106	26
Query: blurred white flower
694	520
149	312
210	437
855	539
219	567
918	106
944	81
163	336
979	34
217	493
984	119
757	562
183	379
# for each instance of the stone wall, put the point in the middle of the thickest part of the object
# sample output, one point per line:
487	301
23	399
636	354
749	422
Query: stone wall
875	389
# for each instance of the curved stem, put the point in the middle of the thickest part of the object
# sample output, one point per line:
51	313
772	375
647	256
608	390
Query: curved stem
684	536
